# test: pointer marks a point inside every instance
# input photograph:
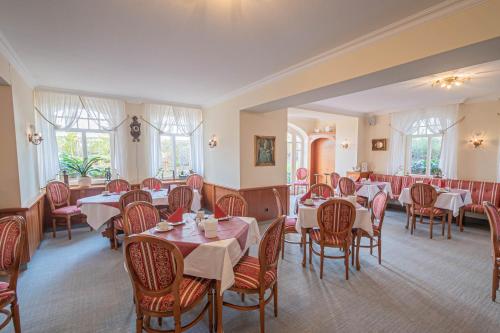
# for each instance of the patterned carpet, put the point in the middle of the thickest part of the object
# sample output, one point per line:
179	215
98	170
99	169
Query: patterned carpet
422	285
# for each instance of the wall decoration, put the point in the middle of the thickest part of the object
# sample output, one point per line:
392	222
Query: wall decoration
379	144
265	150
135	129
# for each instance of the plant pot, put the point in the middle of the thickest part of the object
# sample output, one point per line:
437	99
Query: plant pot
84	181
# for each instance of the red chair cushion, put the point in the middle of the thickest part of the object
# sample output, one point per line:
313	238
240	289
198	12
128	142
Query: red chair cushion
246	274
329	240
475	208
290	223
427	211
67	210
190	290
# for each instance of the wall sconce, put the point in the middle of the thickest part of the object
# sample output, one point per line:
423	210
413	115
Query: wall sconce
33	136
476	141
345	144
212	143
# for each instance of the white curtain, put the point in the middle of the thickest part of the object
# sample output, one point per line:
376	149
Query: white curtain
61	110
401	126
174	120
113	112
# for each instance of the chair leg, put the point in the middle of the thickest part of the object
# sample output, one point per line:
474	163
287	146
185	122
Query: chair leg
262	312
443	223
322	262
413	221
310	251
353	244
407	216
431	223
494	284
53	228
242	297
346	261
275	298
210	310
283	246
379	249
138	324
68	224
461	220
115	238
371	245
15	317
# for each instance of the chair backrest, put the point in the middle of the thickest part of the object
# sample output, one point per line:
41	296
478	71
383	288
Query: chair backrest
347	186
423	195
279	204
117	186
133	196
180	197
195	181
151	183
494	219
334	179
233	205
139	216
270	247
12	239
58	194
379	204
155	267
335	218
301	173
322	190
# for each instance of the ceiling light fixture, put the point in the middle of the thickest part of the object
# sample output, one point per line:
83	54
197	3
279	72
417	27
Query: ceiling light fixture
450	81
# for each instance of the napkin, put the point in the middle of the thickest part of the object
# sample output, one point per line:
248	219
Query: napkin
306	196
176	216
157	187
219	213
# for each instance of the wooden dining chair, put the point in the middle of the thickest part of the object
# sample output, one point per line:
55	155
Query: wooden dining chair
334	179
256	275
423	197
156	269
117	186
335	219
347	187
322	190
138	217
12	240
195	181
301	175
125	200
290	222
151	183
58	195
493	214
233	205
379	205
178	197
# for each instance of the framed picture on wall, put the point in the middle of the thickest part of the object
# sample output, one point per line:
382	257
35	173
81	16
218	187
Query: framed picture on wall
265	147
379	144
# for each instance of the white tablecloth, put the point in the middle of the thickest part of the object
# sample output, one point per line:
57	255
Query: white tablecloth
215	260
99	208
307	218
370	189
452	201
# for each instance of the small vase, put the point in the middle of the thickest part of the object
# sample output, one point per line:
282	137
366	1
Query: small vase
84	181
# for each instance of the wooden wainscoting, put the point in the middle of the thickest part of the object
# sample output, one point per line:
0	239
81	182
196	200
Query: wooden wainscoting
34	215
261	202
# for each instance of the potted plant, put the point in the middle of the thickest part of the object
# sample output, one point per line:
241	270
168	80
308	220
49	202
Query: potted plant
81	167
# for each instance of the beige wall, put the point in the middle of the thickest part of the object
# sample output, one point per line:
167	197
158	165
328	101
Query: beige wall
473	164
263	124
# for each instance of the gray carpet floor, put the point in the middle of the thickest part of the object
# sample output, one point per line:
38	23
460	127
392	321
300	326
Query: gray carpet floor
422	285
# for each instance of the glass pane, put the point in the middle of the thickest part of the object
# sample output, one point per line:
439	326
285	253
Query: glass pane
183	158
69	145
298	154
167	156
289	166
288	137
99	145
418	151
435	154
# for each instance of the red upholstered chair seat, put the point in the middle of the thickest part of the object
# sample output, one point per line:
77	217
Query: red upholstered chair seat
67	210
329	240
290	223
427	211
246	274
190	290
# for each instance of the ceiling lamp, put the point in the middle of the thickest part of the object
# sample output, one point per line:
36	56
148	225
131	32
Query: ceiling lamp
450	81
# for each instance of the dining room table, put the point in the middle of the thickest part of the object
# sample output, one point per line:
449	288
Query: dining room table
307	219
212	258
369	189
451	200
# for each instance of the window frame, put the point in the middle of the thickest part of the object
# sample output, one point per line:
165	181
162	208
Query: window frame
296	136
174	151
429	152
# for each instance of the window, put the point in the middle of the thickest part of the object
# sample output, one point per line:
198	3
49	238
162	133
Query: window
295	151
175	155
424	147
84	140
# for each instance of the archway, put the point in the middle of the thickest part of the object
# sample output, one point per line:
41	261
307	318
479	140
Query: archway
322	157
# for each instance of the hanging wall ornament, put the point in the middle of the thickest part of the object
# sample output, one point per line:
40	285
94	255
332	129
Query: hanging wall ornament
135	129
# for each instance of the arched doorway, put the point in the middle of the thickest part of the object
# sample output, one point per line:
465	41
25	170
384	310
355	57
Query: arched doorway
322	152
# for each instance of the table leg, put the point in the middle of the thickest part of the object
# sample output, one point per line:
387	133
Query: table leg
407	215
450	217
304	247
358	244
218	307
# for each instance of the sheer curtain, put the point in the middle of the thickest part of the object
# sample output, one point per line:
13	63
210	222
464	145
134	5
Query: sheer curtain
113	112
61	110
401	124
174	120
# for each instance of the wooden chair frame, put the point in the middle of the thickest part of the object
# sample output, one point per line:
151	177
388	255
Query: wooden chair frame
345	247
126	224
279	205
416	206
320	188
13	273
108	185
237	197
306	185
153	180
491	210
171	206
264	267
144	316
334	180
195	175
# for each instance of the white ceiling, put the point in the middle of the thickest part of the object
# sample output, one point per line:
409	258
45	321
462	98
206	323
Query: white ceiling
186	51
484	84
